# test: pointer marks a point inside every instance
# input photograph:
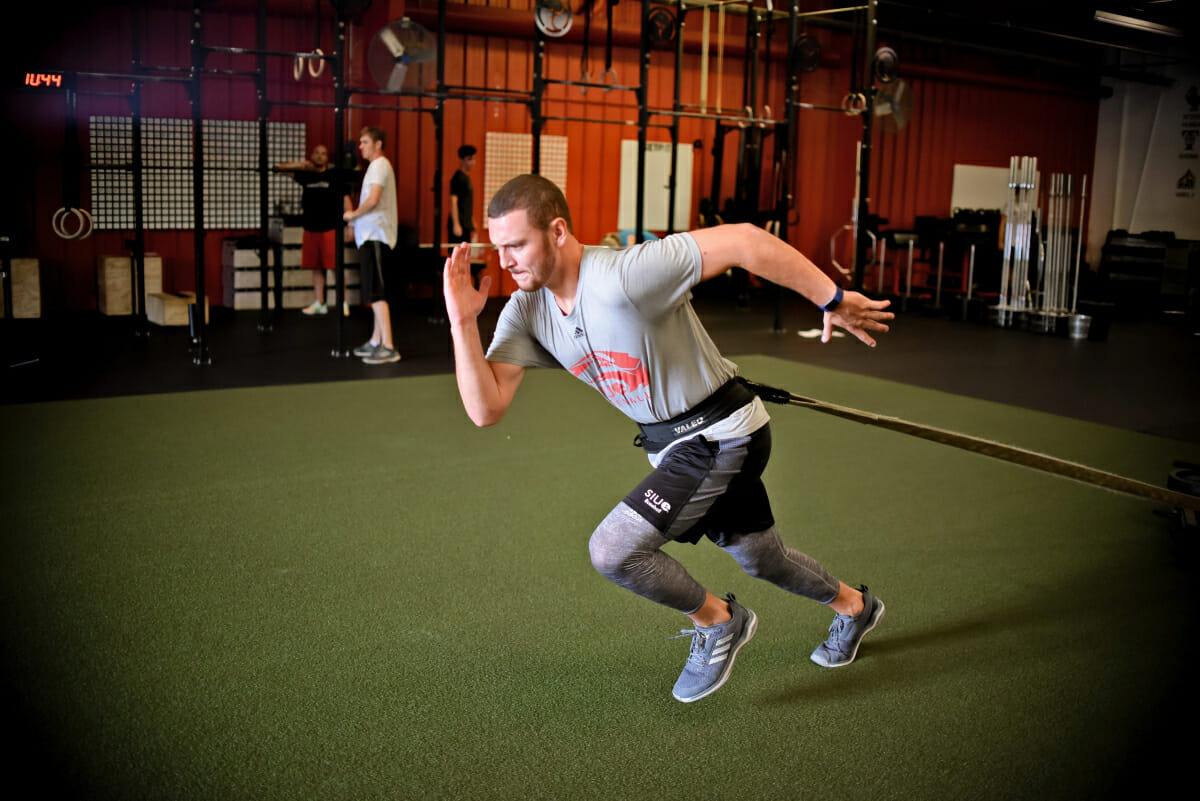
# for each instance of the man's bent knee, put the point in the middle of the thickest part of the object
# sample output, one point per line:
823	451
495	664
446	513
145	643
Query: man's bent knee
621	542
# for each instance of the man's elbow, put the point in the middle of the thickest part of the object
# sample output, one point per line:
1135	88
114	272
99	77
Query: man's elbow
482	418
752	234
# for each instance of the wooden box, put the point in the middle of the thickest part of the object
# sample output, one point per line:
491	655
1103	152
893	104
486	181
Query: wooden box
113	283
26	289
171	308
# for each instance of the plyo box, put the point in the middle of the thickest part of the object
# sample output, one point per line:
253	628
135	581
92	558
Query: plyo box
171	308
114	292
26	289
241	277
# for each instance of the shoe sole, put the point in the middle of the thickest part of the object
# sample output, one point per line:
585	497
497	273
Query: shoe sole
751	628
854	654
381	361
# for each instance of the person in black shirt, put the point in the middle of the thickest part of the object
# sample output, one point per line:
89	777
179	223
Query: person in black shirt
324	200
461	226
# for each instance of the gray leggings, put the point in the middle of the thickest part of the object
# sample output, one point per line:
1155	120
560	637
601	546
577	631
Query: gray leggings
627	549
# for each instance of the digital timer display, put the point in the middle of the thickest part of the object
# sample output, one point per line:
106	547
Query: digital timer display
43	79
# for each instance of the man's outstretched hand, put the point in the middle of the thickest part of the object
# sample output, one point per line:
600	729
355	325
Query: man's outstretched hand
858	314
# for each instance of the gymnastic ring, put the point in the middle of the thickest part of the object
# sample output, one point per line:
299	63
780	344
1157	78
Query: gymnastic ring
585	77
320	63
298	68
88	215
854	103
608	87
767	118
60	216
56	223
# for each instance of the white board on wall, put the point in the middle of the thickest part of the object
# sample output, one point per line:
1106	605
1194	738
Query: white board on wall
657	186
978	187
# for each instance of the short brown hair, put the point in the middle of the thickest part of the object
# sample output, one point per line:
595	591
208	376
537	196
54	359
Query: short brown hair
541	199
376	134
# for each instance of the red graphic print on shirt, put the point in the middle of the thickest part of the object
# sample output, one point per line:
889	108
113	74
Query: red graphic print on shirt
617	376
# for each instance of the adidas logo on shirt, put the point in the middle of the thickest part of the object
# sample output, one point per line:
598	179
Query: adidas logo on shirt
578	332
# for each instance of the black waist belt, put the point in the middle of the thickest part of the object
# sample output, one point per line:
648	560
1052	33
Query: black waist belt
733	395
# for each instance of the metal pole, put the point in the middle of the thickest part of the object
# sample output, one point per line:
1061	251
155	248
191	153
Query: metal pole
1079	244
439	135
535	101
265	321
1065	249
864	149
141	325
937	300
439	128
908	280
340	95
6	281
785	146
966	304
675	106
643	121
881	252
201	356
1010	223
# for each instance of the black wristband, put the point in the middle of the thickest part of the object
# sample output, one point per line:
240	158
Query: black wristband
837	299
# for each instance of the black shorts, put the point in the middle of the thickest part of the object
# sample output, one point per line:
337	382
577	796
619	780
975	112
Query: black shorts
376	271
704	488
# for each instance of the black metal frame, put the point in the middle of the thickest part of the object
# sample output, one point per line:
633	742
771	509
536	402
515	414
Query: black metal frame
785	142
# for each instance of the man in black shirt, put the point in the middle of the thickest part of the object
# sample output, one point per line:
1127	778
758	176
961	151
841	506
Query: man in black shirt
461	226
324	200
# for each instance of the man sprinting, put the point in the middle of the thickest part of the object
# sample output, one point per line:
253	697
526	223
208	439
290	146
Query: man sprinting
622	321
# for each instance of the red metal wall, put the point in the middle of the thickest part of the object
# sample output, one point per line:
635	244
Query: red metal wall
963	113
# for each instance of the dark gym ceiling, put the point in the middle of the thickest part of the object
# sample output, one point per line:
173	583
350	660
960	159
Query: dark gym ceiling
1066	33
1124	38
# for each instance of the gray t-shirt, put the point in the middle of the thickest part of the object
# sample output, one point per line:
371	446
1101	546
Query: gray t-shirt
632	335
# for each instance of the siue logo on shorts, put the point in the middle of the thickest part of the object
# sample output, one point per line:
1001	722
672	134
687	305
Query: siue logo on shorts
615	375
657	502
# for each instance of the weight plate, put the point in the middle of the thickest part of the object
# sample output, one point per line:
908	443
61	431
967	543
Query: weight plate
806	55
887	65
553	17
1184	480
661	27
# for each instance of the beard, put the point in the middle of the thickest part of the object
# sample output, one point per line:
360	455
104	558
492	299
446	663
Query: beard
539	272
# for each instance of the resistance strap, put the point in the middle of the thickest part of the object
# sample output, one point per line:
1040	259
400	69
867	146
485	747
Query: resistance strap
997	450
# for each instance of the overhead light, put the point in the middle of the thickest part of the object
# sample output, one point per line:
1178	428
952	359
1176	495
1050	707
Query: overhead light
1137	24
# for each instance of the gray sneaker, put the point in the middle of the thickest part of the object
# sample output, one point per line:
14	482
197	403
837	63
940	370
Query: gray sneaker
713	650
846	632
364	350
382	355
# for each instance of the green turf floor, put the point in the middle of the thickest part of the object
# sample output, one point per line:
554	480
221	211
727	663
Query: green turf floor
346	591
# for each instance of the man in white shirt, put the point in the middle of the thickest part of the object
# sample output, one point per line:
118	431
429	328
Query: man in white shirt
375	229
